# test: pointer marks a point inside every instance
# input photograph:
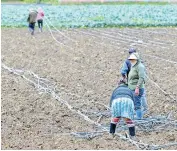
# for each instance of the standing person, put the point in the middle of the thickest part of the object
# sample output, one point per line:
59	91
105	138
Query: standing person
40	17
32	20
125	71
122	106
136	81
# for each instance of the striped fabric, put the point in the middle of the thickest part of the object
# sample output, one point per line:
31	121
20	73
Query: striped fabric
122	107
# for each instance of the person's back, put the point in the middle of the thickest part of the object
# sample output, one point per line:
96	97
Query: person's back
32	16
127	65
40	17
32	20
40	14
126	68
121	91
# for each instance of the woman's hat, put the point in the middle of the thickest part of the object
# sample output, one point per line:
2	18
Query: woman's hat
133	57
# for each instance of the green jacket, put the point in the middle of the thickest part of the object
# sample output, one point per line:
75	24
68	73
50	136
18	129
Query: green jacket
32	17
137	76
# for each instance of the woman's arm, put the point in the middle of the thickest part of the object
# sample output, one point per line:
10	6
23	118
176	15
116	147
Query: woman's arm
141	74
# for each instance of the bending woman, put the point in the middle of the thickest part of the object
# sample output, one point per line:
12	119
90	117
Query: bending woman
122	106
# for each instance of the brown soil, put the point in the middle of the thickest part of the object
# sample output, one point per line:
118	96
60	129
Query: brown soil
87	74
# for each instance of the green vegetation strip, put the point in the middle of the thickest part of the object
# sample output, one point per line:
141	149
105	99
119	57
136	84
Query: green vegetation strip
94	16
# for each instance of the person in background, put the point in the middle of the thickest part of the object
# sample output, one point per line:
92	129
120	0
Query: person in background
32	20
125	71
40	17
136	81
127	65
122	106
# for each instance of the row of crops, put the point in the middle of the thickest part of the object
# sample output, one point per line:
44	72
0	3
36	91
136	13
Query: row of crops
94	15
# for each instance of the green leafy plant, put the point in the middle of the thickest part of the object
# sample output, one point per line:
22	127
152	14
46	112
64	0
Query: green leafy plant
82	16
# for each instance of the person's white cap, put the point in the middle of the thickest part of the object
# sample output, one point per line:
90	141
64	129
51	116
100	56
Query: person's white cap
31	9
133	57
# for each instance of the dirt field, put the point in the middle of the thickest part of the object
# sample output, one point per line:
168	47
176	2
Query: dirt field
85	77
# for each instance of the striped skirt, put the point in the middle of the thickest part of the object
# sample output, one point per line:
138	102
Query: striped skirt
122	107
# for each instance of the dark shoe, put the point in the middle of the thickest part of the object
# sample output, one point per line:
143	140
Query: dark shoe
32	33
132	131
112	128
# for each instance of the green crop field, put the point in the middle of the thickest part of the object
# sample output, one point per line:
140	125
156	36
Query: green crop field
71	16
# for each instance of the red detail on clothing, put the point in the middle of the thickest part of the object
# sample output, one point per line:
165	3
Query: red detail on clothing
115	120
129	121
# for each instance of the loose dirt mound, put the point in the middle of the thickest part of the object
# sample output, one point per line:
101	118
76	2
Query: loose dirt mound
85	77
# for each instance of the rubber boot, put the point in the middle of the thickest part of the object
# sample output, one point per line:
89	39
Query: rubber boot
139	114
40	29
132	131
112	128
32	32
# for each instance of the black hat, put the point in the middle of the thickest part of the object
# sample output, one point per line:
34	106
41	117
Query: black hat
131	50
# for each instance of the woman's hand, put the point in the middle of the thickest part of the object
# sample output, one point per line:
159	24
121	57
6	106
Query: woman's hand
137	91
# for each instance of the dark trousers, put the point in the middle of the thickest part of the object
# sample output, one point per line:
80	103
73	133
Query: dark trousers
40	23
32	25
137	101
